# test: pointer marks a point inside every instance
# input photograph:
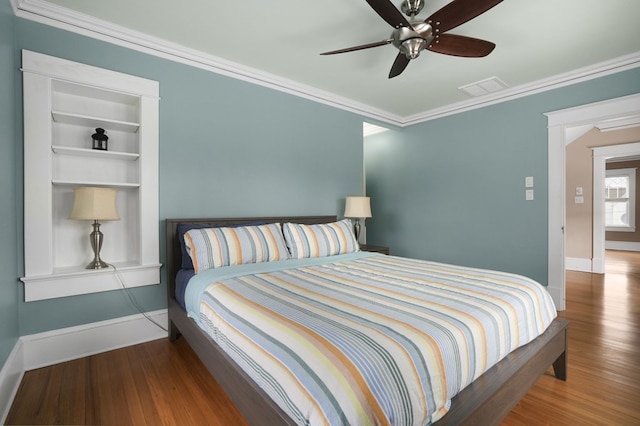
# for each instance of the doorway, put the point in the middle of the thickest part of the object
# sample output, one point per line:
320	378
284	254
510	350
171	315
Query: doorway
600	157
565	126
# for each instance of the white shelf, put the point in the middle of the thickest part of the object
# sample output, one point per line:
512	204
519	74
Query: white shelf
77	280
88	183
71	271
95	153
89	121
63	102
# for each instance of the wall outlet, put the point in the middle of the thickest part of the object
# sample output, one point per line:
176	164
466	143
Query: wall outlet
528	194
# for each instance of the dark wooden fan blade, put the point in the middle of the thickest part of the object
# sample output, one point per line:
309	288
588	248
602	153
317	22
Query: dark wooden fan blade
458	12
457	45
389	13
399	65
361	47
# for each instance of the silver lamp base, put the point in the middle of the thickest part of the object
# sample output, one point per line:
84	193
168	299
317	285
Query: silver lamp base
356	228
96	244
97	264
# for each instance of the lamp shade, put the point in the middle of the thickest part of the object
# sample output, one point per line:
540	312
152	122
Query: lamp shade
357	207
91	203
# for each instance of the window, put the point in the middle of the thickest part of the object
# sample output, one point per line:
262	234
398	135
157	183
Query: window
620	200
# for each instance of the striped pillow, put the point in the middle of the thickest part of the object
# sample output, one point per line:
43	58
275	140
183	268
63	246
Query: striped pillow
215	247
326	239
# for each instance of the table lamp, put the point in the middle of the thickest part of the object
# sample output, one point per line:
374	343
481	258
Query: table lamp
96	204
357	208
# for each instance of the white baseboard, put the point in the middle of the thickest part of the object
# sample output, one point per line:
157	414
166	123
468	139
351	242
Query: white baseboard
56	346
577	264
10	378
622	245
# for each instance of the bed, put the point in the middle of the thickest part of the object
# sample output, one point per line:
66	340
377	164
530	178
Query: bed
486	400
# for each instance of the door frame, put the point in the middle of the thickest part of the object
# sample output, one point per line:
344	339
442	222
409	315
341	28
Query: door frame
600	156
565	126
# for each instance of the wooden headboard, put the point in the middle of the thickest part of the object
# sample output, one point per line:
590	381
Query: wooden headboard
174	254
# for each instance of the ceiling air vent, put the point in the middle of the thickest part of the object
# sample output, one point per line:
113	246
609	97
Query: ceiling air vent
484	87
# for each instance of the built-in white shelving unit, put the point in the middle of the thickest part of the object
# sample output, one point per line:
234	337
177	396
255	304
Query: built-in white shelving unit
64	102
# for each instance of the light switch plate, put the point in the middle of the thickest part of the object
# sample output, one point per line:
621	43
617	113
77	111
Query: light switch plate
528	194
578	190
528	182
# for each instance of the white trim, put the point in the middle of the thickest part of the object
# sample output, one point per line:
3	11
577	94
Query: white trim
10	377
89	26
621	228
59	17
579	75
561	125
619	124
56	346
88	281
584	115
48	272
630	174
61	69
622	150
556	217
65	344
600	155
576	264
599	172
622	245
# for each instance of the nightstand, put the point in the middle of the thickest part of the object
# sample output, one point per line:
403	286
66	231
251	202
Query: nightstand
376	249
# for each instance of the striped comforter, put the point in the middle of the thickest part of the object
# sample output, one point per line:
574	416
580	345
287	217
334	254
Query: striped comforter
366	338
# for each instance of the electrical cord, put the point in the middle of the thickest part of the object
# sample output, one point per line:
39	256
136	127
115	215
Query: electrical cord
133	299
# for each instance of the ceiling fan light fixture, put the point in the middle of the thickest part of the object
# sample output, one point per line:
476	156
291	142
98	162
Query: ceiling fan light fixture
411	7
412	47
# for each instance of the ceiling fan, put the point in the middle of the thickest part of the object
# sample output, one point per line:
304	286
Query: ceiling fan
411	36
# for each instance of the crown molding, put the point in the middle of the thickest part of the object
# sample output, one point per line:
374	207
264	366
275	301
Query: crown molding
89	26
601	69
66	19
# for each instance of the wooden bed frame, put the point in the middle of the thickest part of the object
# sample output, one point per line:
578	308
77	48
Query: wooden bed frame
486	401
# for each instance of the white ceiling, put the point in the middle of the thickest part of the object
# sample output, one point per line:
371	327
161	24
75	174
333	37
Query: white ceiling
279	41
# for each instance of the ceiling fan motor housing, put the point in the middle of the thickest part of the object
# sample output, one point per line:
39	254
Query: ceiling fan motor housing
412	40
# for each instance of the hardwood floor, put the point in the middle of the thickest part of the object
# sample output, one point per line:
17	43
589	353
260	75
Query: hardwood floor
164	383
154	383
603	383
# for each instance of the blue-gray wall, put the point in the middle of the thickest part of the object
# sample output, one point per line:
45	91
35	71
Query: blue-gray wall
9	330
227	148
453	189
450	189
